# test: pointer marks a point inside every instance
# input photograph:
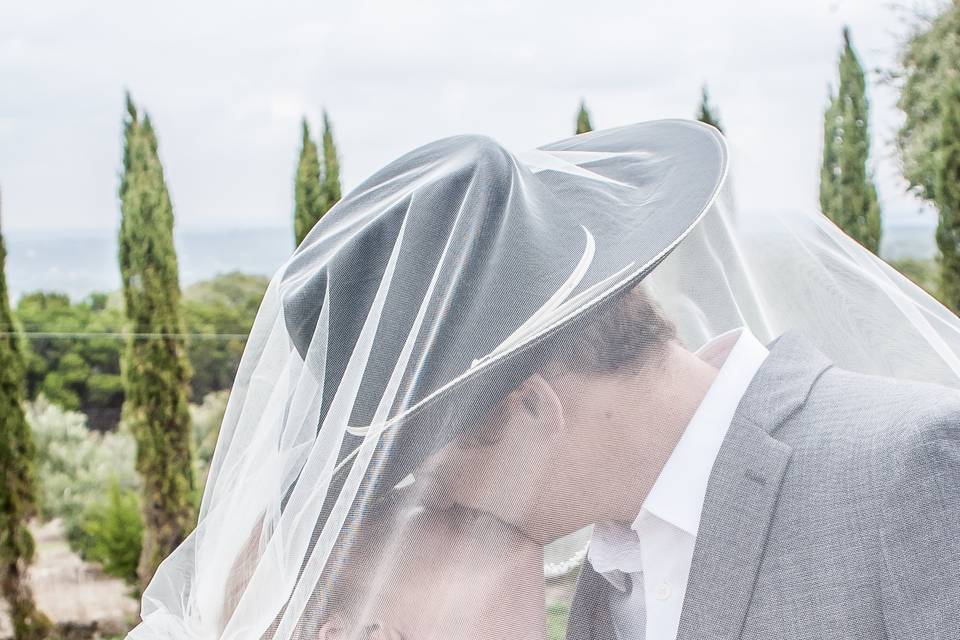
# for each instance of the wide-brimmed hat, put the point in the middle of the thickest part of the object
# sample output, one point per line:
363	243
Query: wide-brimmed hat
530	242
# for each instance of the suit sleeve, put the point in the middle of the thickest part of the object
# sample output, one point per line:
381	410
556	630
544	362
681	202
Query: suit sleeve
920	531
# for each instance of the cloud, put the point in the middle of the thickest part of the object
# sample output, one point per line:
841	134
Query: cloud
227	83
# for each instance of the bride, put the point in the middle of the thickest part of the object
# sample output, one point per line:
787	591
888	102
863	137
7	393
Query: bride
438	575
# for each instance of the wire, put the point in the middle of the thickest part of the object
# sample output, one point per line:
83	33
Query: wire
114	334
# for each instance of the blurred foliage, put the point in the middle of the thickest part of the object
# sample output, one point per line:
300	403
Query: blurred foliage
82	373
87	479
18	478
928	59
848	195
154	365
79	374
947	192
224	309
331	165
316	184
74	463
707	112
308	192
110	532
583	119
206	418
922	272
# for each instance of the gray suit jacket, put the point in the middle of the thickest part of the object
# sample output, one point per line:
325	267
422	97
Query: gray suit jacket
832	511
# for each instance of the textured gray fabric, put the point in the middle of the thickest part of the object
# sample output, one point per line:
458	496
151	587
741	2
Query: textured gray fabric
628	612
833	511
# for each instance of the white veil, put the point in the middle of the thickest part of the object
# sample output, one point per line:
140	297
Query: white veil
425	296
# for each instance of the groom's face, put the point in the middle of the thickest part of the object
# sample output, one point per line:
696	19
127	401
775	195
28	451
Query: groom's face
528	462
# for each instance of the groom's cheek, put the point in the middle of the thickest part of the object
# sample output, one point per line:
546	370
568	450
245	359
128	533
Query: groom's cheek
446	477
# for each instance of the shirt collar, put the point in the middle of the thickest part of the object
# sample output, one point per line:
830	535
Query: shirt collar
677	495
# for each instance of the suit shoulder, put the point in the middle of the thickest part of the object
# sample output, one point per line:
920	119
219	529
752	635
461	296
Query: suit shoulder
892	412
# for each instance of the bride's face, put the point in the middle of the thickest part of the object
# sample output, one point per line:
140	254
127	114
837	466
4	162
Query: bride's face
450	576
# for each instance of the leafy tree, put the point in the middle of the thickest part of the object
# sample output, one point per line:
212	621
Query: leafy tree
947	193
308	193
583	119
82	373
154	369
706	112
847	193
928	58
219	314
331	167
18	499
207	418
79	373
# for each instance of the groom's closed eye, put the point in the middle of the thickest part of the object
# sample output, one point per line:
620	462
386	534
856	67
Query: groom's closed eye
484	433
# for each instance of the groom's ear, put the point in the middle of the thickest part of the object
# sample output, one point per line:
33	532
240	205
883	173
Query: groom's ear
540	401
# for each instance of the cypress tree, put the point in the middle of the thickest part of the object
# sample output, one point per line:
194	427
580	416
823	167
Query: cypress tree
18	495
583	119
926	62
847	193
331	167
309	193
947	194
155	369
707	113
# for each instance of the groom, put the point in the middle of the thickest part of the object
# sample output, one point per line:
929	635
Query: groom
739	491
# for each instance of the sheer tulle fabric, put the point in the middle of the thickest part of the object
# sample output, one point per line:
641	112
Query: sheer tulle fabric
417	303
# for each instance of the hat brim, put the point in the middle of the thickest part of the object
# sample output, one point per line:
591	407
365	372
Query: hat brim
407	439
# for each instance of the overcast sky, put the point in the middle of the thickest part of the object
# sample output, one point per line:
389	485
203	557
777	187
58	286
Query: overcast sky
226	84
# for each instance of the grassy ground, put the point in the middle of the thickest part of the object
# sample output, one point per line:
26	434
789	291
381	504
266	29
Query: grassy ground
557	620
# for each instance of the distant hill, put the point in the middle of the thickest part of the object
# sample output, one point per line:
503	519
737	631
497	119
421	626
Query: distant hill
78	263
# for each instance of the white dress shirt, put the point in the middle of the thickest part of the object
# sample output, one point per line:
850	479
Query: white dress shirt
656	550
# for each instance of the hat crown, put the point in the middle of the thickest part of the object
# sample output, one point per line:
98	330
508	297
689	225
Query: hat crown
489	240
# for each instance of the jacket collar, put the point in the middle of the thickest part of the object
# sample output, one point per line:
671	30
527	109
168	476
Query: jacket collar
742	493
741	497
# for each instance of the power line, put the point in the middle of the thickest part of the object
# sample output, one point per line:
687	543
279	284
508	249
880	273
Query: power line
114	334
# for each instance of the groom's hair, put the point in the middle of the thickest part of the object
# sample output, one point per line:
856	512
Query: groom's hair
623	333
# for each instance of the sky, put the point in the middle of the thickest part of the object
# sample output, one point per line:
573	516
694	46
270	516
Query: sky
227	83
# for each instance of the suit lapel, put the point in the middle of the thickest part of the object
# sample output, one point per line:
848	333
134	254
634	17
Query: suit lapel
742	494
738	507
589	611
733	529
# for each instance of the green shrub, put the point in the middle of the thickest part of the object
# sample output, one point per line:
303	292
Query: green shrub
74	464
111	532
206	419
87	478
